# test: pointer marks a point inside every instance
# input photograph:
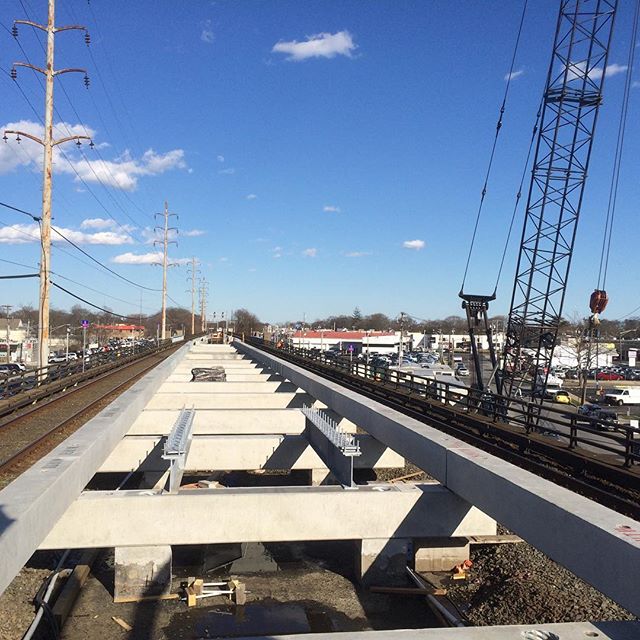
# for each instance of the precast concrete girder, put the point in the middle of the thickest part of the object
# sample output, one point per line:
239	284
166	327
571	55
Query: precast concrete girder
282	514
238	453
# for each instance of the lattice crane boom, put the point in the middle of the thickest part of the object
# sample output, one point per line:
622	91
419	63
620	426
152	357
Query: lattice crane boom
571	102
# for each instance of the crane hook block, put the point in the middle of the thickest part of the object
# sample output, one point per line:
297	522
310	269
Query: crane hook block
598	301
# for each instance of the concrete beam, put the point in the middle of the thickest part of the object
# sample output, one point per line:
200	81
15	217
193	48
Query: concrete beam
237	453
230	400
227	387
561	631
34	502
284	514
222	422
596	543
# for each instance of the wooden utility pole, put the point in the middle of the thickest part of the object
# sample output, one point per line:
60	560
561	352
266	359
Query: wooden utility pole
48	143
165	242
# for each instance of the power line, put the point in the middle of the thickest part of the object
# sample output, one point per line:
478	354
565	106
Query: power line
73	244
95	306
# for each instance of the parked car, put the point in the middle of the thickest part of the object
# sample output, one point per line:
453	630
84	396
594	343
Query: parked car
461	370
630	395
559	395
609	375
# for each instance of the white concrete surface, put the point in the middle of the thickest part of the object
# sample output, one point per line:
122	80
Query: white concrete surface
230	401
222	422
212	516
559	631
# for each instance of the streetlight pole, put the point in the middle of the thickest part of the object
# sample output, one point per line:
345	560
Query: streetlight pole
7	309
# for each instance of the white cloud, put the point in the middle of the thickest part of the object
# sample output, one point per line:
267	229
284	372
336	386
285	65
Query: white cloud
252	270
123	172
357	254
154	257
277	252
224	259
193	233
26	233
514	74
330	208
635	84
614	69
320	45
96	223
252	196
312	252
416	245
577	69
206	35
220	158
227	172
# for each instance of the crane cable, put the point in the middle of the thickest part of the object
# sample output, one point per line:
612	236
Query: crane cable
615	177
518	196
509	78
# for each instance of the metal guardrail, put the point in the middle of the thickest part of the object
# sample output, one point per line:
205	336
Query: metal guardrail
570	428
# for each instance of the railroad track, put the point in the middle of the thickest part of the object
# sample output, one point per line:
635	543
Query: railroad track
578	469
29	433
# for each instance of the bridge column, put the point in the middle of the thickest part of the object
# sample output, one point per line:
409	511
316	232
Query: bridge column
142	571
382	560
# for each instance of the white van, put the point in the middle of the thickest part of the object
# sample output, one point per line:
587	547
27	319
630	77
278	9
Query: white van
620	396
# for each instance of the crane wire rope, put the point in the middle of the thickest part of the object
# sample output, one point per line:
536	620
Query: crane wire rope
615	177
518	197
509	78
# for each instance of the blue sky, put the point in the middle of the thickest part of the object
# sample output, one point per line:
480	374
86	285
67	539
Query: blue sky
320	155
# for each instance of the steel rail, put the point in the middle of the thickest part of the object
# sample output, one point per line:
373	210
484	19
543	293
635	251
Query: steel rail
27	449
579	470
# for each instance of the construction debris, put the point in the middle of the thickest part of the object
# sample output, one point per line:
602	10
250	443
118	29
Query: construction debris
460	570
208	374
119	621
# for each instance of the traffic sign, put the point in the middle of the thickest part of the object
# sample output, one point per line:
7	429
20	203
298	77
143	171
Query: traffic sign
84	323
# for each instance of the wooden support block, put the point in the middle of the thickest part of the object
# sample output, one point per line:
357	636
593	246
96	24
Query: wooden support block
239	594
198	586
65	601
191	597
161	596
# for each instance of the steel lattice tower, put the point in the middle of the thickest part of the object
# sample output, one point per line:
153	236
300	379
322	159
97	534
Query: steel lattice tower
571	101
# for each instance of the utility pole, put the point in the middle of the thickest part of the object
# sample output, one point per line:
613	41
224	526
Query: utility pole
165	242
401	346
203	305
7	310
48	143
192	277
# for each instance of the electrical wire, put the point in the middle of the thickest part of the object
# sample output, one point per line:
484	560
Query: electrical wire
495	143
80	249
91	304
615	178
17	277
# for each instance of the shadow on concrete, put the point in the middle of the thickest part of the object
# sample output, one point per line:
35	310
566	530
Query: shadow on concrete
299	400
286	387
287	453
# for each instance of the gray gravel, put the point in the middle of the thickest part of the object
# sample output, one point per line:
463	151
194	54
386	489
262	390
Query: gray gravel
517	584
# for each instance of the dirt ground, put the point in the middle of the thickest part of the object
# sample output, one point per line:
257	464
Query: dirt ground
306	588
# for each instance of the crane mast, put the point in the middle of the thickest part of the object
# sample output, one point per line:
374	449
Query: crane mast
571	101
